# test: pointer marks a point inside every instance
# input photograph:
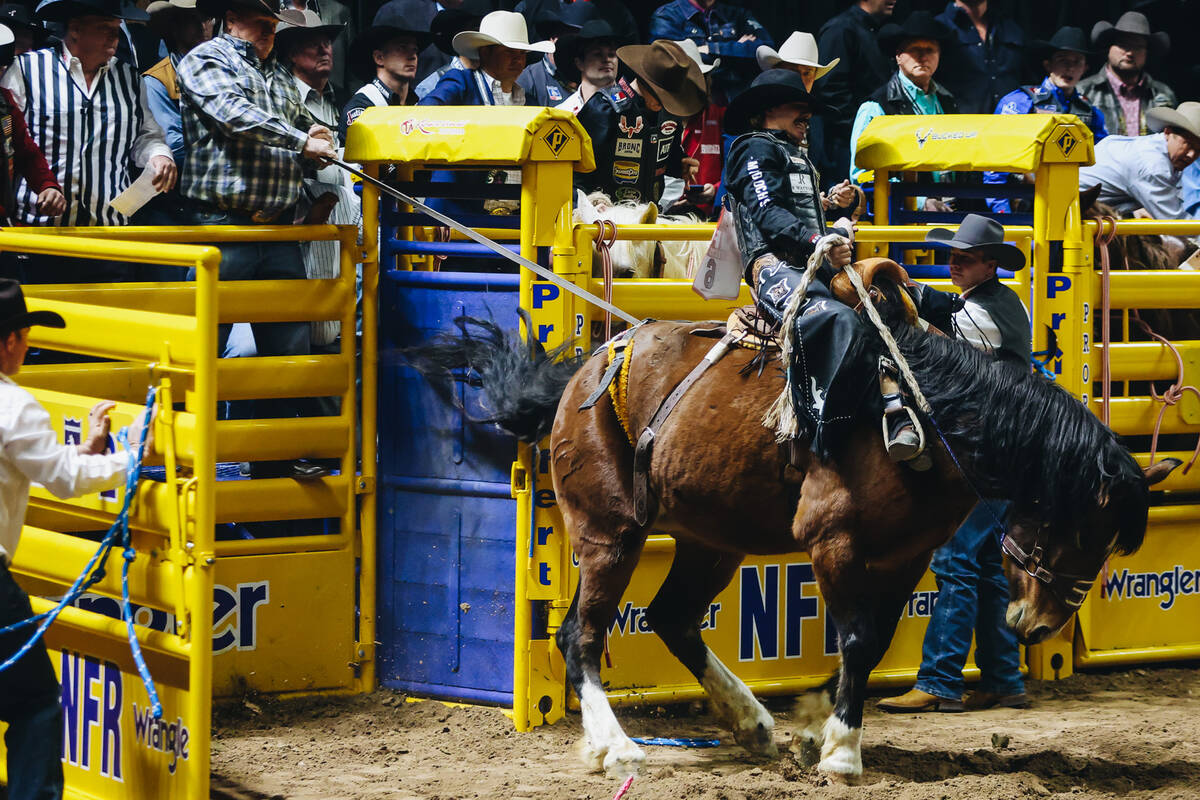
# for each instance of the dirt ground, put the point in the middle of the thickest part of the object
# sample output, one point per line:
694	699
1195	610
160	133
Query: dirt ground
1118	734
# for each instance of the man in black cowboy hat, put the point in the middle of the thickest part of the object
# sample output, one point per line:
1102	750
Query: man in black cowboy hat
589	58
70	90
973	591
916	47
773	192
30	452
386	56
1064	58
637	127
1122	89
542	80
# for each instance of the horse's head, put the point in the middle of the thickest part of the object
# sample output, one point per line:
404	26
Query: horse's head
629	259
1051	566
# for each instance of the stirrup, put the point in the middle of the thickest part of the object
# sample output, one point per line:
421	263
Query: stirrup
905	452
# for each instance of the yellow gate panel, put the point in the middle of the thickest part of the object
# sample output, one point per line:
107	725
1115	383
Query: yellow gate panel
284	622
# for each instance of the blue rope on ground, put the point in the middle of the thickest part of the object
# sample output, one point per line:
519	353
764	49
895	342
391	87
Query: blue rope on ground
678	741
94	571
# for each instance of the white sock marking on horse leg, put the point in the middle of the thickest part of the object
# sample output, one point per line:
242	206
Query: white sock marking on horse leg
811	712
842	752
734	703
605	744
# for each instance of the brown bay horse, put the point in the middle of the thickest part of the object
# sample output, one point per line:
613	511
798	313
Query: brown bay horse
719	483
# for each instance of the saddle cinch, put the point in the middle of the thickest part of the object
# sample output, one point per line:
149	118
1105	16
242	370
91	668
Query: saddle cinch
744	328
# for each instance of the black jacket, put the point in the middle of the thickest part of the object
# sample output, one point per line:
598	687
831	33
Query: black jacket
895	100
541	88
634	147
776	191
980	73
1002	305
850	36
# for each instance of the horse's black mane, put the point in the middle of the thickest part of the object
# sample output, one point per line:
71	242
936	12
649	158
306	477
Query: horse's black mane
1020	436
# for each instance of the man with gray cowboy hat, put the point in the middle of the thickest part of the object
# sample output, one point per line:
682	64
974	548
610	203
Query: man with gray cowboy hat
637	126
386	56
1142	176
30	452
1122	89
772	191
973	591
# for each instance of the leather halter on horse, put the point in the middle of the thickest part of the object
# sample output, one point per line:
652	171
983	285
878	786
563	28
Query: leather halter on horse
1072	590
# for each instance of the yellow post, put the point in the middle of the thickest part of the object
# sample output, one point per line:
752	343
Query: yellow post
370	411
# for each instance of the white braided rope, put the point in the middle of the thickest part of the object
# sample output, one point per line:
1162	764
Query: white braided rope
782	414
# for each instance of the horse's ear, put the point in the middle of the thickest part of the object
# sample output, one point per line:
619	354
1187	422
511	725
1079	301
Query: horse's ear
1088	198
1156	472
585	212
650	214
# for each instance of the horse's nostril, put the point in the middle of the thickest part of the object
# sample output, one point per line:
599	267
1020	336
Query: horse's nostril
1039	634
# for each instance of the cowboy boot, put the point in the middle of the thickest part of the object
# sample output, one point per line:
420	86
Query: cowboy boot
900	435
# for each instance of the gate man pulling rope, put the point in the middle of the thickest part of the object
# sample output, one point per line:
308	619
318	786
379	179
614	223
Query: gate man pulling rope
30	451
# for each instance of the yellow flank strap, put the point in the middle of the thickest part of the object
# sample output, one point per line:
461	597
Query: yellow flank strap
618	390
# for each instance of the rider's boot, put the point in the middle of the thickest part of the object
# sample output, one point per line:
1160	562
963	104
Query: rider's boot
900	435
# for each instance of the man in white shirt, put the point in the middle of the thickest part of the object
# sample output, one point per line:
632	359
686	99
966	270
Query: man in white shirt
1142	176
89	114
30	452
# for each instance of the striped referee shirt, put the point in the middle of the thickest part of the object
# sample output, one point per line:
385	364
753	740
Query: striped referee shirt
93	136
244	126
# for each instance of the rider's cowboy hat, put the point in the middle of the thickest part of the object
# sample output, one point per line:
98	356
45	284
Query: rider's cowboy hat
391	20
504	28
798	50
775	87
1185	117
294	23
919	25
63	10
693	52
671	75
13	314
1066	38
1134	22
982	235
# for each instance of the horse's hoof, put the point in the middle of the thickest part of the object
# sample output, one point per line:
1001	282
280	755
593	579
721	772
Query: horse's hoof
806	750
842	778
592	758
623	760
759	740
842	752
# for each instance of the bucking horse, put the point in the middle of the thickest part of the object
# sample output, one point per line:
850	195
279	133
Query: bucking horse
718	481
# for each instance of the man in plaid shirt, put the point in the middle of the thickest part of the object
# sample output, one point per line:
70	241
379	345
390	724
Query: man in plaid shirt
247	134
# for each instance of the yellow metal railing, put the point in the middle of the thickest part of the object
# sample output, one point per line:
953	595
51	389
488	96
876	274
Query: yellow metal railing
166	334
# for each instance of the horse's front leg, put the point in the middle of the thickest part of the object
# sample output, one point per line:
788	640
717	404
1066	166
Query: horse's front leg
866	624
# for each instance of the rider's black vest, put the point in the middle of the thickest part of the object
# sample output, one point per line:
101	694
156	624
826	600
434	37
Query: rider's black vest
894	100
796	191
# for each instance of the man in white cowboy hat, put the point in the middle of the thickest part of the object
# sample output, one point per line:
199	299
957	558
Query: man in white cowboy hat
181	26
30	451
1142	175
799	53
386	56
503	50
973	591
636	127
1122	89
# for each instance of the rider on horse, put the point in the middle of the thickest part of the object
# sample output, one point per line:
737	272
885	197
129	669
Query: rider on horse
780	217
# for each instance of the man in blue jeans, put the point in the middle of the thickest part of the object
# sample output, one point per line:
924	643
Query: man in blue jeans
972	588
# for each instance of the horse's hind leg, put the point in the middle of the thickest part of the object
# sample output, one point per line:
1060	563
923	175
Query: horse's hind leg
604	572
697	575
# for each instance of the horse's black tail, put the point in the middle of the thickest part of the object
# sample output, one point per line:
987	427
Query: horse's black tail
521	380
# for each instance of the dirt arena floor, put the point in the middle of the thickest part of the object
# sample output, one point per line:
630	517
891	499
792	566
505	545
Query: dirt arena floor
1117	734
